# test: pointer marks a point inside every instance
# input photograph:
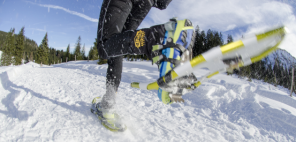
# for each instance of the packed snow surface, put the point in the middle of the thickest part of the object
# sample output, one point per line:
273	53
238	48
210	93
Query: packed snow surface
52	103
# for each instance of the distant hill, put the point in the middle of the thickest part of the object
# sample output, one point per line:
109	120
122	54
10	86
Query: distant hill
284	58
275	69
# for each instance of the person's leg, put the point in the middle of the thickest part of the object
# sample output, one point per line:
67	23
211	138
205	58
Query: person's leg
138	12
117	16
113	79
112	18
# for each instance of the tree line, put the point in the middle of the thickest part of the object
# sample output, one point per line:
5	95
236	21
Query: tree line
17	49
13	48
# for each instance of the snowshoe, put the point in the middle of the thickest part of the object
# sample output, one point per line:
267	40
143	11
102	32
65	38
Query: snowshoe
175	50
222	59
111	121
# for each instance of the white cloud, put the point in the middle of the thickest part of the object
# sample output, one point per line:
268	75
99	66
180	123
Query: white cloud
251	15
220	14
231	27
36	29
66	10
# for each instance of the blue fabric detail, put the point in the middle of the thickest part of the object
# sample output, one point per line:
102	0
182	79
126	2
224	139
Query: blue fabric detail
179	41
159	94
162	72
189	37
165	37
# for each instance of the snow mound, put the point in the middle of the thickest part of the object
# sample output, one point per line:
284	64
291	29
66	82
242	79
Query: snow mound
52	103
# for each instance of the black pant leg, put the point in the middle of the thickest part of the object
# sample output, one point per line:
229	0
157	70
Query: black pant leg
138	13
113	15
112	18
114	72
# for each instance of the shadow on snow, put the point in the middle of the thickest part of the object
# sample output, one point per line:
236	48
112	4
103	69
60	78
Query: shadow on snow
12	110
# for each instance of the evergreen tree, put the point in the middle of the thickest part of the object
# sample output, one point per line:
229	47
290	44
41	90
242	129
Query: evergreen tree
83	53
229	39
217	39
62	56
40	55
221	39
58	56
31	57
209	39
93	53
43	51
203	41
77	51
19	49
45	48
8	49
68	55
197	43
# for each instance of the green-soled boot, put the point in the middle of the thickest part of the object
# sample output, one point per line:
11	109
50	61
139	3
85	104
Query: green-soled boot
109	120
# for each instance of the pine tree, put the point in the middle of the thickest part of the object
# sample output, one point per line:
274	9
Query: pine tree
203	41
45	48
19	49
43	51
197	43
8	49
68	55
229	39
62	56
77	51
40	54
217	39
83	53
221	39
93	53
31	57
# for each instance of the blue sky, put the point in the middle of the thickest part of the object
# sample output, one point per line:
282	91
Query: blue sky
65	20
63	27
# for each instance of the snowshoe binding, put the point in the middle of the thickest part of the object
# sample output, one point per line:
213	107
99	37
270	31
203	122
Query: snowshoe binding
175	50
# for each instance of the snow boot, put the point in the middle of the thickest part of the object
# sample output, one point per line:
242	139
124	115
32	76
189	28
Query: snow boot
109	119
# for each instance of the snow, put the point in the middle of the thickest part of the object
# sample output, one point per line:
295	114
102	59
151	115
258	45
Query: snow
52	103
